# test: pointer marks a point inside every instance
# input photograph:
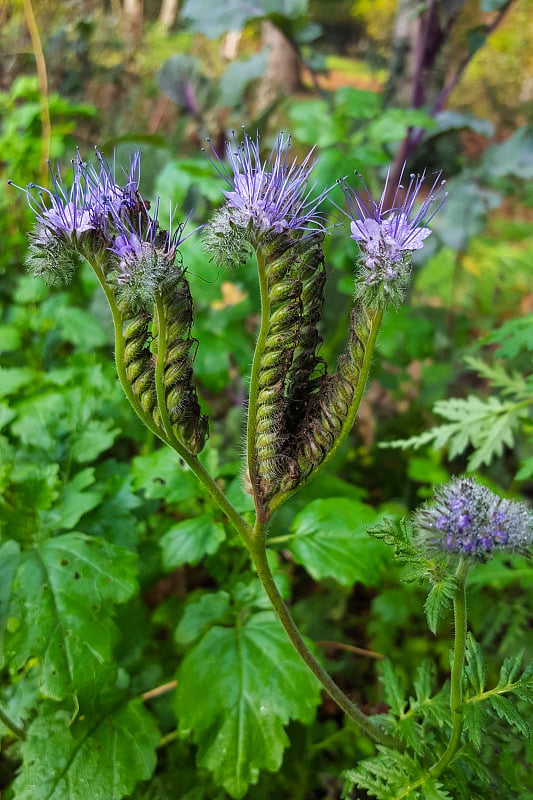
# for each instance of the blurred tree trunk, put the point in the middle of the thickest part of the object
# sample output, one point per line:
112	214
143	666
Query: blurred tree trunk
168	13
420	32
282	75
132	14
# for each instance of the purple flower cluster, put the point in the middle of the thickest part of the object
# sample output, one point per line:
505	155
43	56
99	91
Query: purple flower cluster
387	235
269	196
100	214
469	520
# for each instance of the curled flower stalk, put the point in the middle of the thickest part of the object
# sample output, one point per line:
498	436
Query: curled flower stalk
103	218
271	208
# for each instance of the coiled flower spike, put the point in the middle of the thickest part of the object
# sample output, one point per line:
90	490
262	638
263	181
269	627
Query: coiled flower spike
107	221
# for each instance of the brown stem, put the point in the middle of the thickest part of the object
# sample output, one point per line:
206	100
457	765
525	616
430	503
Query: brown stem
351	648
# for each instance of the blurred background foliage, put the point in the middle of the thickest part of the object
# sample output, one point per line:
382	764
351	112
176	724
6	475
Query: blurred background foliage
443	86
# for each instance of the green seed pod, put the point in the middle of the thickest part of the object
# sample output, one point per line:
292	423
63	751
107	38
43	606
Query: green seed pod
138	360
330	407
181	400
271	463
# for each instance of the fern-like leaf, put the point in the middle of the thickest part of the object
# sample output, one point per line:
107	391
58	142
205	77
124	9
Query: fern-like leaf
439	601
475	666
485	425
512	384
507	711
394	693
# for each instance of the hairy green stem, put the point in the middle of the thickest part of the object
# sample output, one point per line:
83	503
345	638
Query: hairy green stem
456	689
256	367
259	557
12	726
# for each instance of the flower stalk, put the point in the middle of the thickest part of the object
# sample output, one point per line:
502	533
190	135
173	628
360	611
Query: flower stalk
258	554
456	684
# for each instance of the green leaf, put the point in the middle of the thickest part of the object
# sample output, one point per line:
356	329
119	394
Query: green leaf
506	710
177	178
161	475
237	77
487	425
422	682
9	338
58	599
513	337
189	541
200	614
526	470
511	669
330	540
12	379
237	688
20	699
101	755
215	20
388	776
394	693
511	157
6	415
475	666
476	723
357	104
72	503
313	123
77	326
97	435
393	124
438	601
465	212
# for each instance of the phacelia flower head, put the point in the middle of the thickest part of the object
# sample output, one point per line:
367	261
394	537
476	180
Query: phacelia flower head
143	256
266	197
467	519
110	197
60	212
102	214
387	236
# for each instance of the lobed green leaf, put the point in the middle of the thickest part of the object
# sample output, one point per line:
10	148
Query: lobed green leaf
330	540
57	599
101	754
188	541
237	688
